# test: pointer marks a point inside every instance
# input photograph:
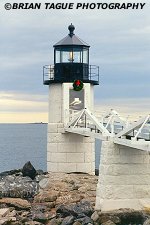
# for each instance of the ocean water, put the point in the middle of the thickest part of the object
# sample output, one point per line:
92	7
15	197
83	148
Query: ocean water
20	143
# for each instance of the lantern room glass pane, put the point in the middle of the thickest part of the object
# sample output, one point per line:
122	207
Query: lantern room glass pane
66	56
57	56
85	56
71	55
77	56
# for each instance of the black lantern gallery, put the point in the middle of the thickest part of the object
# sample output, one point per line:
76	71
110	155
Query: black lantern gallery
71	62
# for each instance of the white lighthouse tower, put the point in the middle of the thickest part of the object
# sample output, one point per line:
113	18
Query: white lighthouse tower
71	80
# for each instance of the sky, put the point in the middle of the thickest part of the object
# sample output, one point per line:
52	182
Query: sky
120	46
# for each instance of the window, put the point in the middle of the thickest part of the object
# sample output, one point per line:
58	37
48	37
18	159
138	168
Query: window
85	55
69	55
77	56
57	56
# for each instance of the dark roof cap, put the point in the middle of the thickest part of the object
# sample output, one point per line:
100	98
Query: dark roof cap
71	39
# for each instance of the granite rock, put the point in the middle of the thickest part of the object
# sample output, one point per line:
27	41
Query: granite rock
29	170
147	222
16	203
18	187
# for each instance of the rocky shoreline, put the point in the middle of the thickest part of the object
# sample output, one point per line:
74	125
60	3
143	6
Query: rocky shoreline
32	197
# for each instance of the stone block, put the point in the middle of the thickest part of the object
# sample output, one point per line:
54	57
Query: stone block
54	137
52	167
64	138
142	191
61	130
110	151
85	168
131	151
117	192
93	167
108	144
76	138
125	159
84	147
145	203
89	140
49	156
58	138
125	169
132	159
146	159
66	147
52	128
55	117
60	125
125	179
58	157
51	147
111	204
88	157
75	157
67	167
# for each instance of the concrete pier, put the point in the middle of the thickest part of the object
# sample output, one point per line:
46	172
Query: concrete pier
124	178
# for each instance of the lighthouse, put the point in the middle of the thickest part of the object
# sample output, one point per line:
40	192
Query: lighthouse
71	81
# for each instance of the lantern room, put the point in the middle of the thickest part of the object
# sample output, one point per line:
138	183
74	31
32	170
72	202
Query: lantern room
71	62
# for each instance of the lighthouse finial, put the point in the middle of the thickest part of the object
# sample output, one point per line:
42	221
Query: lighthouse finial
71	29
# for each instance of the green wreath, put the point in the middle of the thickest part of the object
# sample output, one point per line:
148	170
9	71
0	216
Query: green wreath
78	85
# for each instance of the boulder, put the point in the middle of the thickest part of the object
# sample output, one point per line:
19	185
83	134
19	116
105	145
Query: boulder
43	183
4	212
95	216
55	221
18	187
109	222
11	172
41	213
16	203
29	170
68	198
3	221
104	217
147	222
85	220
39	216
77	223
15	223
46	196
68	220
122	216
33	223
63	211
80	209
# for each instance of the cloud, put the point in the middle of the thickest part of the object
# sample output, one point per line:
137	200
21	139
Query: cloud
20	103
119	45
23	117
132	107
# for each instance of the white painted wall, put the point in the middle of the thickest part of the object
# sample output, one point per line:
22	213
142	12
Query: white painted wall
67	152
55	103
124	179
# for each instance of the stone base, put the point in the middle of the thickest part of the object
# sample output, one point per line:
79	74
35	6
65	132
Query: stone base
107	205
67	152
124	178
